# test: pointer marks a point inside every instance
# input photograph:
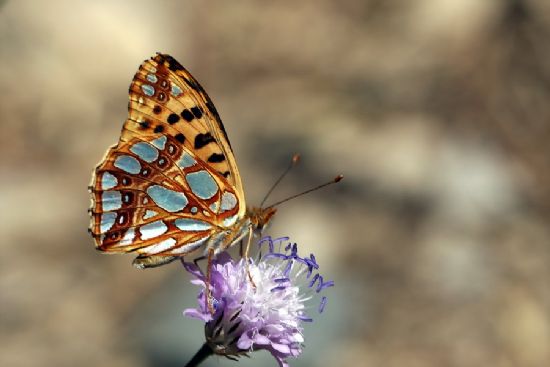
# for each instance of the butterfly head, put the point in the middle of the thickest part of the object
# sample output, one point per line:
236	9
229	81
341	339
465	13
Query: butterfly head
260	217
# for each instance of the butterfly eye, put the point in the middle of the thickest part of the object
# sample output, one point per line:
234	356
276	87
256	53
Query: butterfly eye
144	124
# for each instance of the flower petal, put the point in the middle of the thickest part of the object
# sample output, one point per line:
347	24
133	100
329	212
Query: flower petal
196	314
283	348
298	338
244	342
190	267
261	339
223	258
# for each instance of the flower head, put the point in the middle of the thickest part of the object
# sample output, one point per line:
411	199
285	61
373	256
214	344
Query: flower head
265	315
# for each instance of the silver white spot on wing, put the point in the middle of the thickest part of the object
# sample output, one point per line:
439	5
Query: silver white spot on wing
228	201
167	199
111	200
202	184
145	151
128	164
176	91
148	89
128	237
107	221
152	230
108	181
159	247
188	247
152	78
228	222
188	224
185	161
149	214
214	207
160	142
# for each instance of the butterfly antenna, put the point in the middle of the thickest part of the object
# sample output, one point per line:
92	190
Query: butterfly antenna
333	181
293	162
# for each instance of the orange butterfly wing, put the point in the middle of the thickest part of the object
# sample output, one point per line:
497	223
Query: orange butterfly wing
171	183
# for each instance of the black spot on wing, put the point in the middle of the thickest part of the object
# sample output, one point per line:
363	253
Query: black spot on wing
144	124
173	118
216	158
159	129
197	112
203	139
187	115
180	137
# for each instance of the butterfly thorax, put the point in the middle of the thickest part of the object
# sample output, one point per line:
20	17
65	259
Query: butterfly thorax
260	217
252	223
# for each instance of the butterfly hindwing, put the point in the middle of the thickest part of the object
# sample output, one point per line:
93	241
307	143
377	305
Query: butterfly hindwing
171	183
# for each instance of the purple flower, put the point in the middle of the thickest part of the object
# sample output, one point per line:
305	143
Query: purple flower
268	316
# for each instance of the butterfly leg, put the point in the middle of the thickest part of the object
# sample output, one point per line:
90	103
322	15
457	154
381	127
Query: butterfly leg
209	298
144	261
246	257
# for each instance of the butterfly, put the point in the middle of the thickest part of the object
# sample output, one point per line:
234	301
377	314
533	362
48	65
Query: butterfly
171	186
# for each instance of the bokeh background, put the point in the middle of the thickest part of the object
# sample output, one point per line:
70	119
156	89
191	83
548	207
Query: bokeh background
436	112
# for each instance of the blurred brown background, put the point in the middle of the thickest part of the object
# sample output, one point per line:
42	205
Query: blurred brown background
436	112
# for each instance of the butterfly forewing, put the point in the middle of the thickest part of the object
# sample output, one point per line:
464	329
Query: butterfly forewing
165	97
171	182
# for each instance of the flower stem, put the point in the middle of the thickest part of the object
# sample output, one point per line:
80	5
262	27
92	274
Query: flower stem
200	356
